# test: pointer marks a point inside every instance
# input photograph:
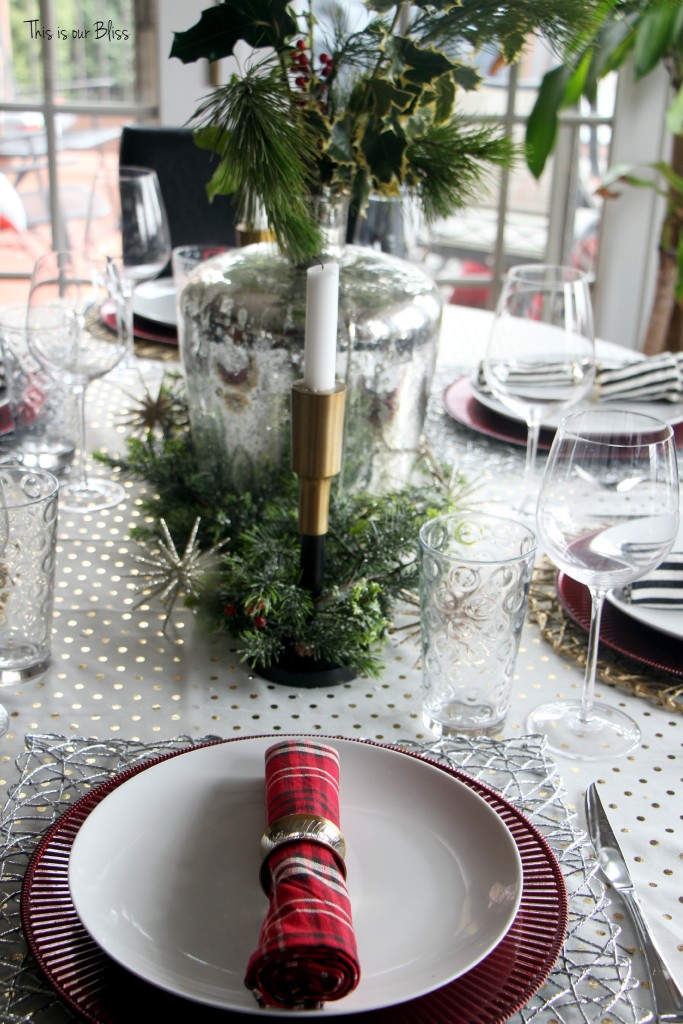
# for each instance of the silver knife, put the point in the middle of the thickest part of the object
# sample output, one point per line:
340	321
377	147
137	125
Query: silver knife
668	997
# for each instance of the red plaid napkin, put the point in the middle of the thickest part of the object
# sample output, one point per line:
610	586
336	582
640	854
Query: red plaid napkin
307	948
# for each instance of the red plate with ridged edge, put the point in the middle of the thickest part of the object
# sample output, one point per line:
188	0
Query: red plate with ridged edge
102	992
460	402
620	632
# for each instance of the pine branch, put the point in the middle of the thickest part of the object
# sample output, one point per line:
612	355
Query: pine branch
448	164
267	152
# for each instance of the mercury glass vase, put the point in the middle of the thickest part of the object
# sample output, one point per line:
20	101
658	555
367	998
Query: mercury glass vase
241	336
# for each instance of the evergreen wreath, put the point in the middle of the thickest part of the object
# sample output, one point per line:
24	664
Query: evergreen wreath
252	590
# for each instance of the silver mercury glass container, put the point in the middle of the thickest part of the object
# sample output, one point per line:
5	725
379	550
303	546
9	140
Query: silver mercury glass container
241	337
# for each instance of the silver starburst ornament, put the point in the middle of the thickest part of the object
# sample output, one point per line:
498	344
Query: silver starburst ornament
166	574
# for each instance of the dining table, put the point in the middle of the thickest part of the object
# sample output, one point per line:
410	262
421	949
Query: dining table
128	684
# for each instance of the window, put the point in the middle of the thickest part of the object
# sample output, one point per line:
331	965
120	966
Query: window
73	72
518	219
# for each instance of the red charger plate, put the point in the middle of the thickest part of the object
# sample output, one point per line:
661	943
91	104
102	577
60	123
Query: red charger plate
145	330
461	403
620	632
102	992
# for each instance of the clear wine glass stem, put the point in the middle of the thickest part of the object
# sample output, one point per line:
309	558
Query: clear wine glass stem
79	392
127	324
533	434
588	691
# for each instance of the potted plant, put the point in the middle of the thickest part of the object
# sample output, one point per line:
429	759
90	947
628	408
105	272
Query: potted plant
651	35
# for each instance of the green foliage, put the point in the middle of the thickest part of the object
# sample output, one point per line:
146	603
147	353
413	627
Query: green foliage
650	31
364	109
371	558
254	594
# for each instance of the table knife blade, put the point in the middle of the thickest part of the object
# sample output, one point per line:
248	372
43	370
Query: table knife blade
668	997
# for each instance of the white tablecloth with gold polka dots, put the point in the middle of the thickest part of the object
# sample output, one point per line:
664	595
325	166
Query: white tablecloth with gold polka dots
116	674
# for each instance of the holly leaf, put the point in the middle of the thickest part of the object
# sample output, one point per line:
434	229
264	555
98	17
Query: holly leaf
384	153
445	98
466	78
421	64
257	22
388	97
340	149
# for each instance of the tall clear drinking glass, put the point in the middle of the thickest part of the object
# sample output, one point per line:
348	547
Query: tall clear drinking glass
540	357
78	284
607	514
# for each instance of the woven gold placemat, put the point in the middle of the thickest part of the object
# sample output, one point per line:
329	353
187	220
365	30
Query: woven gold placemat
571	641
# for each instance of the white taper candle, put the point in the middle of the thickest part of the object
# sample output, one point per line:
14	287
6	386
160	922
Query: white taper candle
320	345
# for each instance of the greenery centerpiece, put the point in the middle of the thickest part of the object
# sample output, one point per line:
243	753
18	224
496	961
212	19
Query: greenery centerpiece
358	108
324	107
235	555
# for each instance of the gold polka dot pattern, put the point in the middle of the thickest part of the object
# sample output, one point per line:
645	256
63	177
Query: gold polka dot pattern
116	674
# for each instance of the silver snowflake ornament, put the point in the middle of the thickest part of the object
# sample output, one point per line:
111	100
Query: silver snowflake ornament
166	573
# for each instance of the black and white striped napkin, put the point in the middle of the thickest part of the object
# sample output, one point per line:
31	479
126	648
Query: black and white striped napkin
656	379
662	587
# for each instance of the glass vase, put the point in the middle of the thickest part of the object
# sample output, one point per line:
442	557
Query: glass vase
241	336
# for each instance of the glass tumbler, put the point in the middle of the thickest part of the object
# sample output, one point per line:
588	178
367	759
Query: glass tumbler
475	571
27	572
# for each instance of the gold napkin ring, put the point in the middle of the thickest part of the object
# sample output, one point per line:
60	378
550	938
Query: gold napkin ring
309	827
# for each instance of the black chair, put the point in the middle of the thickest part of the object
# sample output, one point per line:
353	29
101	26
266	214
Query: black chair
184	170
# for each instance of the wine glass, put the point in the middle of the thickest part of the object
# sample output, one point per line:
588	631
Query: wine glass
145	237
77	285
540	357
607	514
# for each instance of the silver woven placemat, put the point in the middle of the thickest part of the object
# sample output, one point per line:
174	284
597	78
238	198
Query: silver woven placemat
592	981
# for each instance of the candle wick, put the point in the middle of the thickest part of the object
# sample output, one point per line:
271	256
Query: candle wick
319	259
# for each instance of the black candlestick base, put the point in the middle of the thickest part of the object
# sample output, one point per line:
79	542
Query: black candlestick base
293	670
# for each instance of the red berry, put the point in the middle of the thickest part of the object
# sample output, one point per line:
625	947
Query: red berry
259	621
301	81
325	58
229	609
301	44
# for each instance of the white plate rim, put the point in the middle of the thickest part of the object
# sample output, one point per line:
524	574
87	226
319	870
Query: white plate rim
352	1004
663	620
155	300
659	619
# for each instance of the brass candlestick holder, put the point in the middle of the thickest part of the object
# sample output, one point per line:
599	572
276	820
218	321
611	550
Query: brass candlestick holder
317	436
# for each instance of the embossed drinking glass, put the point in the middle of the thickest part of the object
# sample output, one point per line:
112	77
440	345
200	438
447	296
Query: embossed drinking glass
43	409
475	571
27	572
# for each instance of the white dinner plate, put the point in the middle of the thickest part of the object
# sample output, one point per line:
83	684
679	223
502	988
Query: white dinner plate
668	412
664	620
155	300
164	874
